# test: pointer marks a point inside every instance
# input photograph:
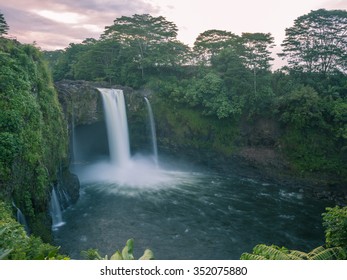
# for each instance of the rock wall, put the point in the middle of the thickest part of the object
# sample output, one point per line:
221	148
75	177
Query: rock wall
83	110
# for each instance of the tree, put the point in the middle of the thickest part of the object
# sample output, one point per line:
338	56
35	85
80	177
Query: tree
317	42
3	25
145	36
143	29
210	43
100	60
257	50
257	53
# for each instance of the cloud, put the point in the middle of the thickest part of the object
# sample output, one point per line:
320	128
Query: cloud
54	24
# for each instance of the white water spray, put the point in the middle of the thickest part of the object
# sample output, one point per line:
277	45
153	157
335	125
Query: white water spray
21	219
153	133
55	209
124	170
117	126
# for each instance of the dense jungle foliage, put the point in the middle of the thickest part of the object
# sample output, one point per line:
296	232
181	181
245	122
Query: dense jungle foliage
32	133
226	78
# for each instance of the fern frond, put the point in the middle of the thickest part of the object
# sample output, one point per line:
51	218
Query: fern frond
271	252
327	254
252	257
316	251
298	255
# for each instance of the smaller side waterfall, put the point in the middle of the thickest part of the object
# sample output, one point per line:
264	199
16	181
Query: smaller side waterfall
21	219
55	209
154	136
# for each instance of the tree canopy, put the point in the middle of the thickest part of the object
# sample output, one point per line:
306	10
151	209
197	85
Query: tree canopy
150	41
317	42
211	42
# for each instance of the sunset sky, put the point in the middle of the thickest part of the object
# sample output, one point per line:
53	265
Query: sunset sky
53	24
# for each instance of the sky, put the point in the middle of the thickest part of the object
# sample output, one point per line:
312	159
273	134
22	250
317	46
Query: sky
54	24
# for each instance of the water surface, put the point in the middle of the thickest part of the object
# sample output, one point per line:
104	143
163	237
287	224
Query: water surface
186	214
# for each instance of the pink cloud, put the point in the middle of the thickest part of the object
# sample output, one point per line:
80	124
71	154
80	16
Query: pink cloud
27	25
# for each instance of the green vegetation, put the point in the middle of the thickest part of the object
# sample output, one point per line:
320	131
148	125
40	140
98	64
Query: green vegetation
16	245
264	252
33	141
317	42
126	254
335	223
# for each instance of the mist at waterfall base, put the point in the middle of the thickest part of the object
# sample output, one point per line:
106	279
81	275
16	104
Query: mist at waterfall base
178	210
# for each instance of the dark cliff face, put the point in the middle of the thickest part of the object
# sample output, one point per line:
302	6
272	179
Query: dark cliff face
83	110
82	103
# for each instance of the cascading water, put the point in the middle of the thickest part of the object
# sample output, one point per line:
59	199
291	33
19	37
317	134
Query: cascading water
55	209
117	125
21	219
122	169
153	133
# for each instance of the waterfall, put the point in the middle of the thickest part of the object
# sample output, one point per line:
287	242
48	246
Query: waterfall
117	125
55	209
122	169
154	137
21	219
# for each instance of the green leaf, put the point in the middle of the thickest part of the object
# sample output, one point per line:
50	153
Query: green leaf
148	255
127	251
117	256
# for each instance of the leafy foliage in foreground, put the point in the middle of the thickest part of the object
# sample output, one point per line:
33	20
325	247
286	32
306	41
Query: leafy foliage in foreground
264	252
16	245
335	223
125	254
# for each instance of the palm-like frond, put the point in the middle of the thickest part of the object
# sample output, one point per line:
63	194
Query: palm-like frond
322	253
271	252
298	255
264	252
253	257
